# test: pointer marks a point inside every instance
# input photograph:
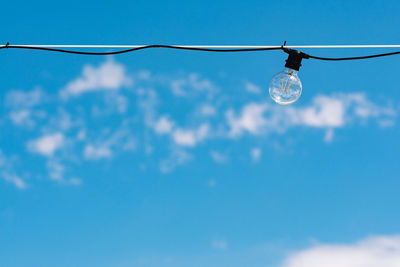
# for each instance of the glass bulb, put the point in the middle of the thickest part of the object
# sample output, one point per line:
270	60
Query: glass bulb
285	87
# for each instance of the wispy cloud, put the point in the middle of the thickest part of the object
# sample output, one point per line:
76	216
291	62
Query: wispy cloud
190	138
252	88
167	116
110	75
18	99
14	179
191	85
22	118
325	112
97	152
219	157
251	119
342	109
176	158
163	125
21	106
147	103
116	102
372	252
207	110
57	170
8	173
47	145
121	139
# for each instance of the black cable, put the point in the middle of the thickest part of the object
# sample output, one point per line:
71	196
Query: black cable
354	58
140	48
190	48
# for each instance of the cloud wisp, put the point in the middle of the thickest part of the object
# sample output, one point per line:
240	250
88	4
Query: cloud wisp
110	75
375	251
8	173
47	145
164	116
325	112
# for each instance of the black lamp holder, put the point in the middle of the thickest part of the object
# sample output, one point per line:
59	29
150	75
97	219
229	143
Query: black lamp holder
294	59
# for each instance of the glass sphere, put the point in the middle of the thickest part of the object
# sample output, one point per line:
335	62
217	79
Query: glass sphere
285	87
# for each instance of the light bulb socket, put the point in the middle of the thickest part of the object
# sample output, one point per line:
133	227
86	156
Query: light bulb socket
294	59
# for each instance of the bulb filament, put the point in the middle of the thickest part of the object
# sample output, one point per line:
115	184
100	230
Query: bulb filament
283	87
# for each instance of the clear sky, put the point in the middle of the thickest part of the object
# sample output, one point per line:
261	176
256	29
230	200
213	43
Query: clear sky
179	158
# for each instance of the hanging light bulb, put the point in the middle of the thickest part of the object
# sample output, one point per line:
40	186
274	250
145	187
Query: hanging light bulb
285	87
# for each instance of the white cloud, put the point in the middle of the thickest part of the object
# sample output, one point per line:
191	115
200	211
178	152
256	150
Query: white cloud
202	132
116	102
205	117
22	118
163	125
192	84
252	88
47	145
26	118
8	174
326	112
103	148
177	157
201	84
177	89
62	120
251	119
371	252
341	109
147	103
191	137
110	75
207	110
57	171
22	105
365	108
92	152
218	157
14	179
18	99
185	137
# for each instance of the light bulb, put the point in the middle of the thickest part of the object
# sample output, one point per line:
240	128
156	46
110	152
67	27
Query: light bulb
285	87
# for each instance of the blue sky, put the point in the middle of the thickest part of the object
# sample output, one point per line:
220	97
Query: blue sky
179	158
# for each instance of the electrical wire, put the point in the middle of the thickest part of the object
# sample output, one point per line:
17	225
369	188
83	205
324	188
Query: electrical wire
220	46
141	48
206	48
354	58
